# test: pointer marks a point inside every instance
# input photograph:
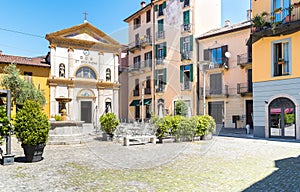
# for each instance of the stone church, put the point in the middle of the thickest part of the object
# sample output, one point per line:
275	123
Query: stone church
84	73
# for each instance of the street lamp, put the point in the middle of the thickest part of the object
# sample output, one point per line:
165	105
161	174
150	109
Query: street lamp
143	93
203	64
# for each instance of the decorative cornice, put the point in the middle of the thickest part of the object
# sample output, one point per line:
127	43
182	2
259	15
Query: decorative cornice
58	81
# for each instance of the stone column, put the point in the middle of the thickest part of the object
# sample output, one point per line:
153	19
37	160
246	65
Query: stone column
70	111
116	67
53	102
115	103
70	62
100	65
53	60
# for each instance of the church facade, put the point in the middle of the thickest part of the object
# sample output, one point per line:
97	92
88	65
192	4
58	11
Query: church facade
84	73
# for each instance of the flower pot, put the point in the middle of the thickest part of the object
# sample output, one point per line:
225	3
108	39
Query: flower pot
33	153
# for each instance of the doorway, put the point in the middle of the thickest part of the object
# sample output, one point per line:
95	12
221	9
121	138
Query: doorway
282	121
86	111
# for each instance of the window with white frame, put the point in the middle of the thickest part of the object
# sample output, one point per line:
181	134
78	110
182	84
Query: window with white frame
281	58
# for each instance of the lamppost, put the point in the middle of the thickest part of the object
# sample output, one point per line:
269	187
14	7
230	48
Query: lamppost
143	93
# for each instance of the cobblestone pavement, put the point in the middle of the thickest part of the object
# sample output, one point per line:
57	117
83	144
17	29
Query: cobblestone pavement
220	164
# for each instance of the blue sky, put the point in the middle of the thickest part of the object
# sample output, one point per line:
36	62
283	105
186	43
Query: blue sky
38	18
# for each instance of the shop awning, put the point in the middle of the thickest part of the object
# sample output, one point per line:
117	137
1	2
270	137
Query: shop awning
147	101
135	103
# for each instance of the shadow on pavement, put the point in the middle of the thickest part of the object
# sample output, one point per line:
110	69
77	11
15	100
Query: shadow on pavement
286	178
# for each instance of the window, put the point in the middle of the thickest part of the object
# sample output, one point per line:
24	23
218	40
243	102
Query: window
161	10
216	55
186	3
137	40
215	83
108	74
160	29
186	76
136	91
137	62
148	33
160	79
148	16
281	55
28	76
148	59
161	52
148	85
86	72
186	17
137	112
283	5
137	22
62	70
186	47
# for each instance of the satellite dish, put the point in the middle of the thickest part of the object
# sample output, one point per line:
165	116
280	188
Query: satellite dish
228	54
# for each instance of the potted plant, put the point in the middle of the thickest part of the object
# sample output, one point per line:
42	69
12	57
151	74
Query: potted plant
31	126
109	123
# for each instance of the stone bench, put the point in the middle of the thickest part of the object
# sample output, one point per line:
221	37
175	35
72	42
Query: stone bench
138	139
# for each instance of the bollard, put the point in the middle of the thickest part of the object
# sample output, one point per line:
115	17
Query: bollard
247	129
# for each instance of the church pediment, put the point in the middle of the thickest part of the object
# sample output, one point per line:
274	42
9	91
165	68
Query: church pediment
84	34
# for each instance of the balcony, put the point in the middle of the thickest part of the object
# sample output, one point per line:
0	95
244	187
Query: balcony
147	91
217	92
244	89
160	89
132	47
136	92
188	55
145	41
279	22
160	61
244	60
147	65
135	68
186	28
160	35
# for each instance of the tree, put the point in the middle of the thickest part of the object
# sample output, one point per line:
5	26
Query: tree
181	108
21	90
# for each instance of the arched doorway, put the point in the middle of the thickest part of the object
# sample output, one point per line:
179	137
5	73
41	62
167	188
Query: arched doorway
282	118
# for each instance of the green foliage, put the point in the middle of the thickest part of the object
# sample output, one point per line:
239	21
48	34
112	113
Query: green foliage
31	124
185	131
181	108
109	123
168	125
21	90
204	125
260	21
289	118
4	127
57	117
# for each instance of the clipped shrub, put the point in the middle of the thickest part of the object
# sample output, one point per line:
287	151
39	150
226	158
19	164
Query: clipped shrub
31	124
109	123
204	125
168	125
181	108
185	131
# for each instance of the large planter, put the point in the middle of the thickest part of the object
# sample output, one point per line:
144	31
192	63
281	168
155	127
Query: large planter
33	153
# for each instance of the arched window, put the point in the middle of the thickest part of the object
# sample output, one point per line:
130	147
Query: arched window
62	70
86	72
108	74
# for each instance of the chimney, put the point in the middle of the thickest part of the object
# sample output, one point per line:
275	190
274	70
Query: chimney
249	14
143	4
227	23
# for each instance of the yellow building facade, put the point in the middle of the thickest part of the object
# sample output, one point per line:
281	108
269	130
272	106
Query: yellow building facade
276	69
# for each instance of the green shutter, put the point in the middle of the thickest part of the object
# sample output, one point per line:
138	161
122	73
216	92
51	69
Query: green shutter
181	0
156	77
164	5
160	25
191	42
165	49
181	45
181	73
186	17
165	76
156	51
155	7
191	73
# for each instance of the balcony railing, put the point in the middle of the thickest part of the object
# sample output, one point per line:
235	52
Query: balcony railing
159	61
135	68
160	35
145	41
244	59
187	55
187	85
134	46
275	23
186	27
147	64
147	90
217	92
160	89
136	92
244	88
